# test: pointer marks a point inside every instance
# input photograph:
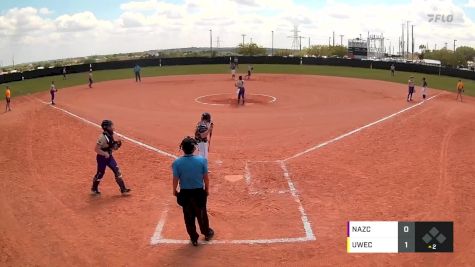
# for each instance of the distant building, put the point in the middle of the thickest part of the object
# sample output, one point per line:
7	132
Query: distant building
357	48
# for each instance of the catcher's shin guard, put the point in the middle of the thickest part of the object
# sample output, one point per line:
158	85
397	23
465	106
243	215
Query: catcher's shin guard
96	180
95	187
121	184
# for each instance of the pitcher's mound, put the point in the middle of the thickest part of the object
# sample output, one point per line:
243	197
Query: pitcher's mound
231	99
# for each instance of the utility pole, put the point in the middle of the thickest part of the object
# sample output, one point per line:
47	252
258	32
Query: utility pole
329	41
403	44
300	43
341	39
412	32
272	49
407	33
399	39
333	38
454	45
243	35
309	43
211	41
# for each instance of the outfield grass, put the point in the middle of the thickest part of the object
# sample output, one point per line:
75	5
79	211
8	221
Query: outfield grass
42	84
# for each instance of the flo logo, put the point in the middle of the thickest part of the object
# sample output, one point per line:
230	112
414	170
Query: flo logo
440	18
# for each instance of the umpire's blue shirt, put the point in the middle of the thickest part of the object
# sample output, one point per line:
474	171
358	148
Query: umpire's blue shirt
190	171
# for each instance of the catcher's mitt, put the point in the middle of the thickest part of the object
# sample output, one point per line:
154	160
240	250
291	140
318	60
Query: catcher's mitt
117	144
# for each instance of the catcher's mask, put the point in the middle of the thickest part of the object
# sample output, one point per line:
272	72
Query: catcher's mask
188	145
206	117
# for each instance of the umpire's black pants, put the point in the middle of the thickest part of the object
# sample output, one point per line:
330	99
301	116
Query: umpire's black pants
193	202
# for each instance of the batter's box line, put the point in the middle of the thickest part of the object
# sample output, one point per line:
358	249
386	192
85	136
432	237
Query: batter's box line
157	238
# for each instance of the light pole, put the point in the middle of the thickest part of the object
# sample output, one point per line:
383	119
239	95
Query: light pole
454	45
243	35
329	41
341	39
211	41
272	49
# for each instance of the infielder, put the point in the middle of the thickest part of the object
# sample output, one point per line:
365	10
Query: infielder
249	71
204	128
424	88
411	88
52	91
240	90
90	79
104	148
233	71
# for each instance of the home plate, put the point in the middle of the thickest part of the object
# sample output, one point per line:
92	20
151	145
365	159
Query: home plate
233	178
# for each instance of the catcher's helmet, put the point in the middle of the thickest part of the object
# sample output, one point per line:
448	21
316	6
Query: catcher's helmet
106	124
206	117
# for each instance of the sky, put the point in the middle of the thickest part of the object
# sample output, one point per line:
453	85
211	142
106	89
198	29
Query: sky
38	30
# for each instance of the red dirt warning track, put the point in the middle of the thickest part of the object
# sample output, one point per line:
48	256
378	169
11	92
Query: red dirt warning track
418	165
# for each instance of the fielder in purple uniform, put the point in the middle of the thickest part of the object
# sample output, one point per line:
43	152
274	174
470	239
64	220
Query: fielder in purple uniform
104	148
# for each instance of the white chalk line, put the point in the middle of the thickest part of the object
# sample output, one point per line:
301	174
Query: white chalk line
309	235
197	100
157	235
132	140
237	241
156	238
356	130
295	194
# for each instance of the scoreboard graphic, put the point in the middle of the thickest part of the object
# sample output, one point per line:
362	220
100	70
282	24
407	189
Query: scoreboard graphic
399	237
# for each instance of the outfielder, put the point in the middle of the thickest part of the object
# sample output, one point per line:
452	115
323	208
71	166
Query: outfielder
460	90
203	129
104	147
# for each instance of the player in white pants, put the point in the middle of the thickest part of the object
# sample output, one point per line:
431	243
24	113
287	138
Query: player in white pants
203	132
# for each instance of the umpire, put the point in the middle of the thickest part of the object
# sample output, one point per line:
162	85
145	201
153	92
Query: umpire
191	172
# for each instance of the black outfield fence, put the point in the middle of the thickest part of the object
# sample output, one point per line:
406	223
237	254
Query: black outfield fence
409	67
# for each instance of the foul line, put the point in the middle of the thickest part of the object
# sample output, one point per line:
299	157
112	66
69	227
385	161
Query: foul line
356	130
303	216
149	147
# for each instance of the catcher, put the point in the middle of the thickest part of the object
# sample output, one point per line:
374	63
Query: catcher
104	147
203	133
